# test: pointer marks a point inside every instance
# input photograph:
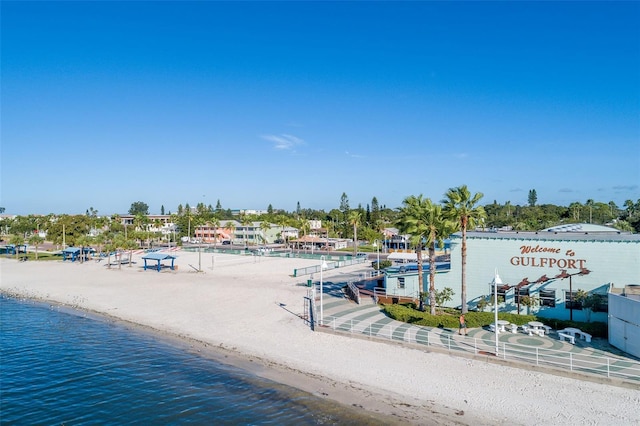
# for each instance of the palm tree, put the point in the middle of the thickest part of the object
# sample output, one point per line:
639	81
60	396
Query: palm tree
439	228
232	229
355	217
461	207
215	222
282	221
411	220
35	240
17	240
83	242
590	204
264	227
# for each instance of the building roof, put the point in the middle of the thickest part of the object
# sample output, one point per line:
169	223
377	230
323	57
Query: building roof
158	256
567	232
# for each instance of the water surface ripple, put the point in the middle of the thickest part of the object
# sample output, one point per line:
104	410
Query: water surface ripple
59	367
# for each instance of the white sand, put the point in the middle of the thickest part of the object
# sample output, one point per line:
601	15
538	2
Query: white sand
252	308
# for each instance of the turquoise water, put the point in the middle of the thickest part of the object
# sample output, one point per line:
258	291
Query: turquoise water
60	367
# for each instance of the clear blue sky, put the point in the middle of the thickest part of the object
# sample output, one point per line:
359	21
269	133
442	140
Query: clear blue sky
105	104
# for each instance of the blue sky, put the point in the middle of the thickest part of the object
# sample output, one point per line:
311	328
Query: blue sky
105	104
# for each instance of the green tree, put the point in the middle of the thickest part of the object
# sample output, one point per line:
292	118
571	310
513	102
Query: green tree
461	207
17	240
411	220
36	241
264	227
443	296
215	222
139	207
82	241
344	208
533	197
438	228
590	204
355	218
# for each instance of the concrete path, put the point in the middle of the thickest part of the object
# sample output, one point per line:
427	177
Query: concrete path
367	319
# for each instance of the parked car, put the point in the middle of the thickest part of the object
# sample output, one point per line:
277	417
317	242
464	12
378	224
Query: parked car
226	242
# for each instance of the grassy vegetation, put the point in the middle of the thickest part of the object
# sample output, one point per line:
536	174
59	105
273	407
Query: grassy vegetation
42	256
448	318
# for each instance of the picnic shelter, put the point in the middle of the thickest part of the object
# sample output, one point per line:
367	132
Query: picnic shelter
158	257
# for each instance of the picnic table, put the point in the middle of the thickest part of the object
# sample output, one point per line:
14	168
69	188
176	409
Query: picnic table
575	332
536	327
500	327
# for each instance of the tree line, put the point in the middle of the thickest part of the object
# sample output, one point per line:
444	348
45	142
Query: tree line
427	222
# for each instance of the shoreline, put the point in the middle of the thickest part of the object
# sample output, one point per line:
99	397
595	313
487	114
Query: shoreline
217	314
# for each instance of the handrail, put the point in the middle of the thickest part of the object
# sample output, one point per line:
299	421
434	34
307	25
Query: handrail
596	365
354	292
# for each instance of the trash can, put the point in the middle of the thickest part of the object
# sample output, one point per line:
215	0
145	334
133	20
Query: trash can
309	284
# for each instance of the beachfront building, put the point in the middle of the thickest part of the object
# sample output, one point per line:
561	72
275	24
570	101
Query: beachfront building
252	233
155	223
549	266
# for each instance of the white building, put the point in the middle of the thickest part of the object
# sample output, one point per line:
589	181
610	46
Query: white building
549	265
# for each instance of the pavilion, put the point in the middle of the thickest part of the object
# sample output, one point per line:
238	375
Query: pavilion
158	257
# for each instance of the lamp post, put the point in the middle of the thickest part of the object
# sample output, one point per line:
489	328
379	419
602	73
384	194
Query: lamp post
323	265
562	275
377	246
495	282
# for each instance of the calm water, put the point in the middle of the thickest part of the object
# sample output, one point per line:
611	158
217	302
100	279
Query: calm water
59	367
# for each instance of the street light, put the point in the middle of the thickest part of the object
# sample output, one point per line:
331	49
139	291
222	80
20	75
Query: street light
562	275
375	244
495	282
323	265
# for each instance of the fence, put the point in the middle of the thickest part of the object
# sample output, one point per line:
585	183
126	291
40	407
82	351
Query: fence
597	365
330	265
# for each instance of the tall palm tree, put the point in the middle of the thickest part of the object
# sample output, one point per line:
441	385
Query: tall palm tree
461	207
590	203
411	220
232	229
282	221
438	228
355	218
215	222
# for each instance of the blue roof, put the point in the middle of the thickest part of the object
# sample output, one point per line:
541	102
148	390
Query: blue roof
71	250
158	256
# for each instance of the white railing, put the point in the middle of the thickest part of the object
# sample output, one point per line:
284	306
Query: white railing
590	364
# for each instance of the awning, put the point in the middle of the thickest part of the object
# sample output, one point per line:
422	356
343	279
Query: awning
403	256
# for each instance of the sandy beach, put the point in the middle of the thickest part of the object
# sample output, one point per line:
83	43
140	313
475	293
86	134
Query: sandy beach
247	311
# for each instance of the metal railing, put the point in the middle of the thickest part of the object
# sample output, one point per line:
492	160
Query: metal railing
353	292
594	364
330	265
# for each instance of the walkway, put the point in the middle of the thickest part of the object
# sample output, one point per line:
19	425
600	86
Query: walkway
367	320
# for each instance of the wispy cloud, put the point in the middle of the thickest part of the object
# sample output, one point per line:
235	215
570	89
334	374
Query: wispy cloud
353	155
568	190
283	142
625	187
516	190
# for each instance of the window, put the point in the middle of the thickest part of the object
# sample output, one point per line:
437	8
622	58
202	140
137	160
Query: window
567	301
502	292
548	298
519	293
400	282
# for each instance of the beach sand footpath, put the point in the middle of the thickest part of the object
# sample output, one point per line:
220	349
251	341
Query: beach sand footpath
247	310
